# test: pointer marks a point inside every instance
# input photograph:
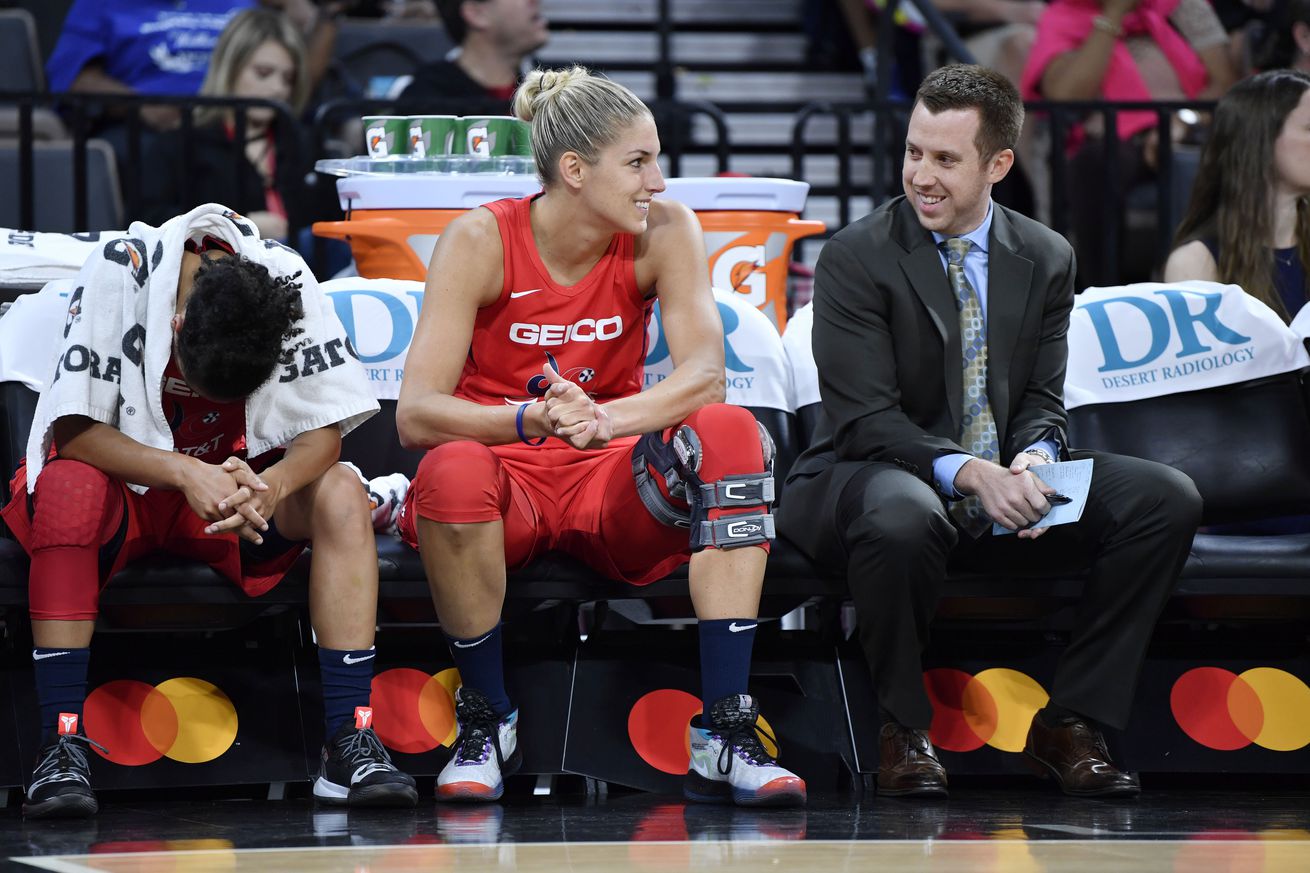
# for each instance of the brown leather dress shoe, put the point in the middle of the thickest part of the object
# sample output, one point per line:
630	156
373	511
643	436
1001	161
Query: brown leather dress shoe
1075	754
908	765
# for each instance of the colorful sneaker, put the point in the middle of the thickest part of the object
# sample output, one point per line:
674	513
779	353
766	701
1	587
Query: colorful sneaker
729	762
357	771
486	750
61	782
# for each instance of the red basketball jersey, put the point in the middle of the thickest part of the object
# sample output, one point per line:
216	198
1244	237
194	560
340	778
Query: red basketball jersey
212	432
593	333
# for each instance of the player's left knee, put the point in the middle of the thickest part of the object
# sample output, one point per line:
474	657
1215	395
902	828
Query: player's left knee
732	442
720	461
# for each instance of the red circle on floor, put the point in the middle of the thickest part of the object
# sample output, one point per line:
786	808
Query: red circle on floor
657	727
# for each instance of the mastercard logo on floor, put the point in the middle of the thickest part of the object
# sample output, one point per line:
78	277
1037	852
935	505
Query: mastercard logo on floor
413	711
993	708
185	719
1226	711
657	728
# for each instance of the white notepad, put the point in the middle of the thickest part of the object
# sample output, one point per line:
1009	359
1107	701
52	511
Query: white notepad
1073	479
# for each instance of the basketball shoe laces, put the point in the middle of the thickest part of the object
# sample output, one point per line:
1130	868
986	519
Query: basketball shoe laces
65	761
366	754
745	738
479	729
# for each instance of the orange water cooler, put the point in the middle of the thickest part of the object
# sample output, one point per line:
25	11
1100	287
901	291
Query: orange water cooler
393	221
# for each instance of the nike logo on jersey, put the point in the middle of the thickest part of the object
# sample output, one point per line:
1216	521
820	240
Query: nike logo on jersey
738	628
460	645
348	660
41	656
515	295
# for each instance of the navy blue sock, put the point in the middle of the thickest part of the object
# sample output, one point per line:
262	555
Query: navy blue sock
347	679
725	658
60	684
481	667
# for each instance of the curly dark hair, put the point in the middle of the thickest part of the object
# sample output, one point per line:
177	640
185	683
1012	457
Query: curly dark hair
237	318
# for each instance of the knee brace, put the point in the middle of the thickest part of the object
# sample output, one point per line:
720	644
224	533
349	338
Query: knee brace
679	462
74	505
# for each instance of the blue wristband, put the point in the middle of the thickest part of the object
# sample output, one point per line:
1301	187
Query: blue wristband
518	425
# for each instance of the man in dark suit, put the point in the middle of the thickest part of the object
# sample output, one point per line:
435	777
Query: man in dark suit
939	335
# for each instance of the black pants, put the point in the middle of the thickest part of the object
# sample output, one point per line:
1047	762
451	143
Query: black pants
891	533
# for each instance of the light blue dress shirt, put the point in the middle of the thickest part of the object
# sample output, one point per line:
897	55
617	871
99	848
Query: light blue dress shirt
945	467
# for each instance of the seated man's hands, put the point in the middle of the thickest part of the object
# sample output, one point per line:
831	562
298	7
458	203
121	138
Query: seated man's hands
1012	497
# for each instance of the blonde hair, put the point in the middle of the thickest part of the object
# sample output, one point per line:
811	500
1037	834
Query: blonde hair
572	110
244	34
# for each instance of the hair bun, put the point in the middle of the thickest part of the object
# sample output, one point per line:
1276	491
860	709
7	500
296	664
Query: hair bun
541	86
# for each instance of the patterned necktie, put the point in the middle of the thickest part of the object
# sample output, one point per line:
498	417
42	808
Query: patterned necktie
977	426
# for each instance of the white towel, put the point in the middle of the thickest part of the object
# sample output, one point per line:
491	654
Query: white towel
30	259
117	339
28	331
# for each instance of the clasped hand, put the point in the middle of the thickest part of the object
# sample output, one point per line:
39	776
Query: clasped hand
1013	498
573	415
233	498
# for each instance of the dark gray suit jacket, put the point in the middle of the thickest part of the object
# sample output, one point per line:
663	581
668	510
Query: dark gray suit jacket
887	345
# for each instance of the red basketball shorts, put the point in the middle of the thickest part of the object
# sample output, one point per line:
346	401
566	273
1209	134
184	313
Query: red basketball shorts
584	503
82	509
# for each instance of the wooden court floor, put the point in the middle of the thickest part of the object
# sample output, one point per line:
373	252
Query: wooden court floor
1003	830
1003	856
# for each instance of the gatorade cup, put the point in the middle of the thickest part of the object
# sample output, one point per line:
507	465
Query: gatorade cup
386	135
432	135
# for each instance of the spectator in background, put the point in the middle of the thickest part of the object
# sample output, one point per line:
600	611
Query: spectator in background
260	54
1249	220
493	38
1247	23
1287	44
862	18
1122	50
158	46
139	46
1000	35
411	10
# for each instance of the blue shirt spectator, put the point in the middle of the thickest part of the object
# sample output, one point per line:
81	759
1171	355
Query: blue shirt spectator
152	46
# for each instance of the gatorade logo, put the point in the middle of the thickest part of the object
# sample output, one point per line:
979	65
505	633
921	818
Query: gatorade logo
414	711
993	708
588	330
741	268
479	142
1226	711
185	719
657	729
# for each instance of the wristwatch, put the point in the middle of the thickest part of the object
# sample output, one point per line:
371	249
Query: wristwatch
1041	453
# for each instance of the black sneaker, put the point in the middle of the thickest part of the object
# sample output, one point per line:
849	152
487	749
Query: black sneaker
61	781
357	771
